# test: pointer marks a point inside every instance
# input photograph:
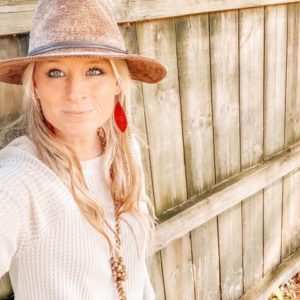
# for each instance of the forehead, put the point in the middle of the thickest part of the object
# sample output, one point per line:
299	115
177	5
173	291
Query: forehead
75	60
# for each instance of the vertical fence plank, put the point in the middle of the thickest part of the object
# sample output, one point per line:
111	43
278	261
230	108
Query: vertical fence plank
225	92
251	43
195	91
291	183
206	261
272	225
274	108
291	214
177	270
292	130
225	95
157	276
275	74
252	215
163	119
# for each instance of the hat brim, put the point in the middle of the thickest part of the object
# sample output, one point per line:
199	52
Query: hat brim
141	68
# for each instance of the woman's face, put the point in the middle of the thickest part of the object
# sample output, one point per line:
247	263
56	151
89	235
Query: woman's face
76	94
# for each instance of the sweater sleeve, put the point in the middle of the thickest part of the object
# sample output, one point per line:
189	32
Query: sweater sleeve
10	232
148	289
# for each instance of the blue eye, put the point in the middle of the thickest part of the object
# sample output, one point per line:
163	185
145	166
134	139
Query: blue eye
95	71
55	73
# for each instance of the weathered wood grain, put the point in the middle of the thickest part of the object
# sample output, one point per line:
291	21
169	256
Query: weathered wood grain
274	122
251	47
16	16
225	101
290	214
292	128
206	261
195	91
163	120
199	209
291	183
138	117
262	289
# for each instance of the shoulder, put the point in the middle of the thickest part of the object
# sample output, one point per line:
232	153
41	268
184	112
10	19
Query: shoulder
15	162
31	190
28	181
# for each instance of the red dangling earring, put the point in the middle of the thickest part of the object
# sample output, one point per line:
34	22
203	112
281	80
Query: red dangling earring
120	117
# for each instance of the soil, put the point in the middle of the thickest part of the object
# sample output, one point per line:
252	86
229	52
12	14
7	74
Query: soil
289	290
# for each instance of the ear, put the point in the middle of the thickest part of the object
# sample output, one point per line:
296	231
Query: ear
36	92
35	88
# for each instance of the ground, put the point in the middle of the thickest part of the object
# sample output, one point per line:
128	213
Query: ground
289	290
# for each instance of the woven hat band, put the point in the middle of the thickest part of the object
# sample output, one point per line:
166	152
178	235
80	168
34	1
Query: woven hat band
75	44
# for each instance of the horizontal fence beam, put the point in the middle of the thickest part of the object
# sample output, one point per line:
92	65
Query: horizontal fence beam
16	15
178	221
262	289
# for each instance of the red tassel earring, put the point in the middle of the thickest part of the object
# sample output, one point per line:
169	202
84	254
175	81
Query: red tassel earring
120	117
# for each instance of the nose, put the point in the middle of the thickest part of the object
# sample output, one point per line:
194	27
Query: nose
75	87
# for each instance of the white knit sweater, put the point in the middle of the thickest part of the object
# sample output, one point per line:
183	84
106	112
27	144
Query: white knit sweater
48	247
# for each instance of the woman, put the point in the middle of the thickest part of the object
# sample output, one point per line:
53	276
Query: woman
75	221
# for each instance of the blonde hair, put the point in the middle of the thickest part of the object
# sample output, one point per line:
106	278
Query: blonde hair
123	168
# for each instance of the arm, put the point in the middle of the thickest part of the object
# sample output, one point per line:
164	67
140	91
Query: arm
10	232
148	289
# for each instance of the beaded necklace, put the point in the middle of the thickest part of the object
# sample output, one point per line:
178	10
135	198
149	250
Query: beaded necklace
118	267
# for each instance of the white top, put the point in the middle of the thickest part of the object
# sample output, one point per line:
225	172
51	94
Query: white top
47	245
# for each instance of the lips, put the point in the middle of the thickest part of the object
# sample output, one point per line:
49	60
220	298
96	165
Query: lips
77	112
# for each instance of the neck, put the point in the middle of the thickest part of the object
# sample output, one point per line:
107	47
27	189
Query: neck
86	147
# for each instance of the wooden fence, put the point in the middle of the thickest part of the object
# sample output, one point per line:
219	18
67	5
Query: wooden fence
223	167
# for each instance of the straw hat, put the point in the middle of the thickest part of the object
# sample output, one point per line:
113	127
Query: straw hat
65	28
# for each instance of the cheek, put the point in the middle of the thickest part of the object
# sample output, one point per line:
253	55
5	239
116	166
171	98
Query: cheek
50	112
105	98
49	104
105	108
